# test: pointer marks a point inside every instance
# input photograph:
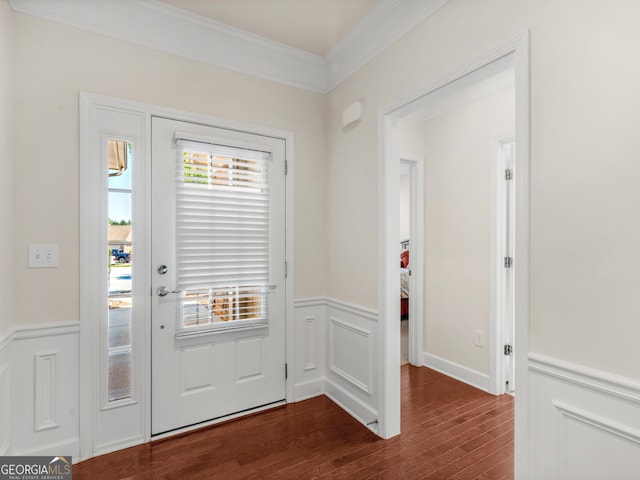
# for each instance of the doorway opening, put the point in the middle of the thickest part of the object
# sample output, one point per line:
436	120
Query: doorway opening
411	234
467	228
510	57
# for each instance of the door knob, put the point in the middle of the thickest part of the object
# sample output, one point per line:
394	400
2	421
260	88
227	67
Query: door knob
163	291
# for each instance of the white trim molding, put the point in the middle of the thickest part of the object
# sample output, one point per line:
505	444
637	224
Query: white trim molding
308	365
385	24
584	422
354	406
612	385
153	24
39	385
47	376
45	331
100	113
615	428
516	51
455	370
353	309
335	325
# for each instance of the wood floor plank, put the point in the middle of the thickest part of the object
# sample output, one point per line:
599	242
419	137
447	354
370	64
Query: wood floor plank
449	431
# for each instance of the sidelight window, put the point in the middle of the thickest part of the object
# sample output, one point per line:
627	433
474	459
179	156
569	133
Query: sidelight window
119	256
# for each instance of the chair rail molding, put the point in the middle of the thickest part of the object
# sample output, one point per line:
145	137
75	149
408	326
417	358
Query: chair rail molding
575	411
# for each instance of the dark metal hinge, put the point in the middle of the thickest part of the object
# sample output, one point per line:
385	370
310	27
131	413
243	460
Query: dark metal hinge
286	371
508	262
508	174
508	349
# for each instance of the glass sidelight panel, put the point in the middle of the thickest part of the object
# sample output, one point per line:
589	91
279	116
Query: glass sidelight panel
120	258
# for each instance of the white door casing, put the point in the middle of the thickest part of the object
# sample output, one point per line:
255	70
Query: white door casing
416	262
197	377
507	321
102	429
515	50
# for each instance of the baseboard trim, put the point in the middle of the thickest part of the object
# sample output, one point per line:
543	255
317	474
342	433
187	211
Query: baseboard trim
309	389
459	372
598	380
359	410
66	447
119	445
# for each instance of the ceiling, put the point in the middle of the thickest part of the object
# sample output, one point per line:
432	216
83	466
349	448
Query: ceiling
311	25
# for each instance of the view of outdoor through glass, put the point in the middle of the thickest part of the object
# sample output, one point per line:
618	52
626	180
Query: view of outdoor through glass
119	257
222	228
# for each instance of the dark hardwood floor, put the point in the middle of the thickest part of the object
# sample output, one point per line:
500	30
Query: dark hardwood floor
449	431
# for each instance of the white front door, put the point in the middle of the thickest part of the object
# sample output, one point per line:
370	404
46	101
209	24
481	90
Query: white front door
218	273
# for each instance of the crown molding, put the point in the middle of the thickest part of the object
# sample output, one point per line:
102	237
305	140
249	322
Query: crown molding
156	25
389	21
160	26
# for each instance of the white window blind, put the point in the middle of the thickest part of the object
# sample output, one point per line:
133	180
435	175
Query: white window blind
222	236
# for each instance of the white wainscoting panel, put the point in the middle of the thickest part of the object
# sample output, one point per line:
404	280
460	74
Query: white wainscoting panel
585	423
310	342
351	349
308	373
44	389
350	353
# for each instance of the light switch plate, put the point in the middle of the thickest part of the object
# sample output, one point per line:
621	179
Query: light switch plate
43	256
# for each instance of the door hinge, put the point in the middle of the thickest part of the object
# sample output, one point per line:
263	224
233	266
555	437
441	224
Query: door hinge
508	349
508	174
508	262
286	371
286	166
286	269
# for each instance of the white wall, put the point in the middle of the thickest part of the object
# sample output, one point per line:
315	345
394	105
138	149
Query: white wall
6	162
583	179
583	175
405	207
55	62
411	131
460	153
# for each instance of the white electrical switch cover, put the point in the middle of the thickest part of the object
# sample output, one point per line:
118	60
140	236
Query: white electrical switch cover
43	256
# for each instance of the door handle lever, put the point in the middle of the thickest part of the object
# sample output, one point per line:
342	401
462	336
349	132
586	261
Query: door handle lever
163	291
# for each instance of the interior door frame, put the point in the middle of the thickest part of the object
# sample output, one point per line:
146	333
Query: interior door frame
416	256
90	245
388	226
499	275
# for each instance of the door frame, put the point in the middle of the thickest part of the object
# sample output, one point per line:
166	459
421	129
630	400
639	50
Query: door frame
499	274
516	48
91	243
416	256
